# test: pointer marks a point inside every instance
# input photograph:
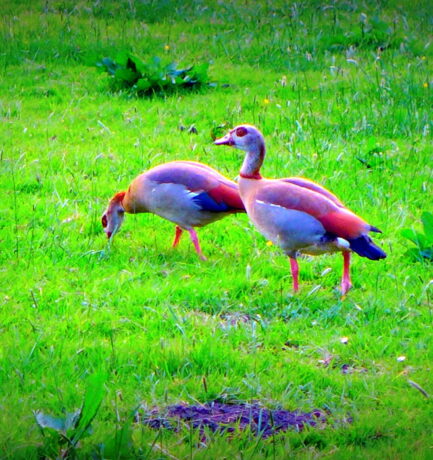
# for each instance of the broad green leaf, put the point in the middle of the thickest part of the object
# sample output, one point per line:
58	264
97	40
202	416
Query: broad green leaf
427	253
178	73
418	238
427	221
154	67
171	68
108	65
138	64
414	254
155	61
130	64
92	401
122	58
124	75
177	80
48	421
165	81
200	72
71	419
143	84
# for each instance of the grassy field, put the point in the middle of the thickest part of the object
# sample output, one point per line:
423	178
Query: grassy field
343	92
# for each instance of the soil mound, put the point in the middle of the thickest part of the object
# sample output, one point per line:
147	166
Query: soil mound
218	416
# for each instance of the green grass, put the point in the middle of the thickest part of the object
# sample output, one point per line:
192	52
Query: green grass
333	107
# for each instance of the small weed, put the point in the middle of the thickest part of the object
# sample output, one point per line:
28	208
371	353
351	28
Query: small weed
64	433
422	241
375	156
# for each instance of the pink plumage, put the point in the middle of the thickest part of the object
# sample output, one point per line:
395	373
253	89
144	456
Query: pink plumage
297	214
187	193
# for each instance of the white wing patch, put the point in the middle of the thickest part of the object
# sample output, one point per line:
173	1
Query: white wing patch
342	243
270	204
192	194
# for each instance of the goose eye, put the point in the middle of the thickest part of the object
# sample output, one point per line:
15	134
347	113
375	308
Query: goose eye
104	221
241	132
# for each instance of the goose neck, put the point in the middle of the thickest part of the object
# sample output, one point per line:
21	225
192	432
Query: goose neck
253	162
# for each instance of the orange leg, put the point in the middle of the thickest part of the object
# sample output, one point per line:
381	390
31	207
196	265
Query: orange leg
346	284
295	271
194	240
177	236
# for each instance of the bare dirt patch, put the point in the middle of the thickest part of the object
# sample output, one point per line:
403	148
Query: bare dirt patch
223	417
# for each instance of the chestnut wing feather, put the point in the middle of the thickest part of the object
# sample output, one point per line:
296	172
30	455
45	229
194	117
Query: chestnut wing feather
334	217
310	185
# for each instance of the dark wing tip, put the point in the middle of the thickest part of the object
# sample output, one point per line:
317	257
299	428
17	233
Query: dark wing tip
366	248
375	229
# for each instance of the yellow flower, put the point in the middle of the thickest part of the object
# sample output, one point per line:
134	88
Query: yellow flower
423	58
269	243
266	101
425	85
166	47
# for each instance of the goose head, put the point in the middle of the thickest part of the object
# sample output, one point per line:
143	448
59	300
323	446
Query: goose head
113	216
244	137
249	139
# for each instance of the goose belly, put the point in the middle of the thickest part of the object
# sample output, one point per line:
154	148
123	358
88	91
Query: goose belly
174	202
294	231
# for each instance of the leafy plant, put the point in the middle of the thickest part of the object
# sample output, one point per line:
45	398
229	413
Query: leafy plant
423	241
64	433
130	72
219	130
375	156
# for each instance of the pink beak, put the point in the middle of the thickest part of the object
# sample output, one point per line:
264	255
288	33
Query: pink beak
226	140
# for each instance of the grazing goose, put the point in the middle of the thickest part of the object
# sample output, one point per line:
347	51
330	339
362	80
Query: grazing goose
297	214
187	193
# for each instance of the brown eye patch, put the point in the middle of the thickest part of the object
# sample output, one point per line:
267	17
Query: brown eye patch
241	132
104	221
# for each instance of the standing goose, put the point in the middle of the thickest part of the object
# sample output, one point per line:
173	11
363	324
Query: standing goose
297	214
187	193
